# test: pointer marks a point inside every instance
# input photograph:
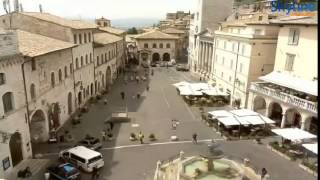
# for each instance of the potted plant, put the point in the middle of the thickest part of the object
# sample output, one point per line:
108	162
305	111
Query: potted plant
152	137
133	137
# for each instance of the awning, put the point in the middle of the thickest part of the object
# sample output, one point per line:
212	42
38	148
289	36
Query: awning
182	83
213	92
311	147
267	120
228	121
186	90
200	86
293	134
220	113
289	81
244	112
254	120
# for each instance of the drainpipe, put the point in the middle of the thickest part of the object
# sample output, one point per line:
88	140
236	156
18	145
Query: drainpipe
235	73
25	91
74	81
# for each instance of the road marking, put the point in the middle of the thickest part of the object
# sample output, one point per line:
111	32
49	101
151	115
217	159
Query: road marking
165	98
141	145
189	110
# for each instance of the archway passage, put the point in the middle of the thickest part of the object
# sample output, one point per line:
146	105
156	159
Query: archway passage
259	105
276	113
155	57
91	89
145	56
166	57
15	145
69	103
313	125
293	118
38	127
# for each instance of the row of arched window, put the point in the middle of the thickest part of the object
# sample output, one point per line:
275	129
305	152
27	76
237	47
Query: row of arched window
83	61
86	37
155	45
103	58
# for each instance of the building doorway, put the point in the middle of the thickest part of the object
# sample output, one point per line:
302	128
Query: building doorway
15	145
38	127
155	57
166	57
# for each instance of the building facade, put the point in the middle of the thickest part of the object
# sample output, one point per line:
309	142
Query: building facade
289	94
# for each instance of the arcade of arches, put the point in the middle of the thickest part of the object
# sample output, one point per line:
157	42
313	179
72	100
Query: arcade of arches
285	116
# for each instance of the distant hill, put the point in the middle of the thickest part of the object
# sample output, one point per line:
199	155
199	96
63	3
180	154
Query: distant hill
133	22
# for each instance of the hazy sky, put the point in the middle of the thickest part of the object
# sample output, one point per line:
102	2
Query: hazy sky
112	9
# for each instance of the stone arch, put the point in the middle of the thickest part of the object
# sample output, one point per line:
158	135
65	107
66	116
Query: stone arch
275	112
313	126
91	89
155	57
69	103
15	145
259	105
38	126
166	57
293	118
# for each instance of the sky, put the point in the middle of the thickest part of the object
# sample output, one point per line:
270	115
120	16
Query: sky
111	9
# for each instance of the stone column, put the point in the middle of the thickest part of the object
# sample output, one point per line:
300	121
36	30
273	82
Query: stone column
200	55
305	122
267	113
210	58
205	53
283	120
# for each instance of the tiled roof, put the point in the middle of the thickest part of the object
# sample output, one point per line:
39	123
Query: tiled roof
105	38
155	34
112	30
297	20
33	45
173	31
75	24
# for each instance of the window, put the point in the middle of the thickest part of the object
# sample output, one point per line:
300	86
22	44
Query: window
81	61
91	57
2	79
89	37
160	45
240	67
105	57
231	64
289	62
260	18
53	81
60	75
223	61
233	46
75	38
87	59
168	45
154	45
33	65
243	49
7	100
293	37
225	45
80	39
109	55
257	31
77	63
33	91
145	45
85	38
98	60
71	68
102	60
65	72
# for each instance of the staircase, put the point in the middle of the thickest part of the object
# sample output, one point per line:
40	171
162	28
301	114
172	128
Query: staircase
37	167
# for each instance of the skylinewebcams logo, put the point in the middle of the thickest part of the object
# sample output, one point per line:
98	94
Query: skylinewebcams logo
295	7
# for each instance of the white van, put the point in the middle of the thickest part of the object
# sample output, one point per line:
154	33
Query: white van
83	158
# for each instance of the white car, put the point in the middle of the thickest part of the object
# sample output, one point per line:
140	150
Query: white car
173	61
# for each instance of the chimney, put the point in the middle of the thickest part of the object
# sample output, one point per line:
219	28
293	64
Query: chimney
40	8
16	5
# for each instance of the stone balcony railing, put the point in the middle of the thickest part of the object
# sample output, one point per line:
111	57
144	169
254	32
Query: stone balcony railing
285	97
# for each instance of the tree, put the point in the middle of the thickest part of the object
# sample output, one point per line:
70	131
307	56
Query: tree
132	30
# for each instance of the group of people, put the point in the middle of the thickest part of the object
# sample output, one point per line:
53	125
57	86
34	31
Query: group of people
107	134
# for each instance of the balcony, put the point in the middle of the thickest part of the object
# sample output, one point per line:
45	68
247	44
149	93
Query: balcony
288	98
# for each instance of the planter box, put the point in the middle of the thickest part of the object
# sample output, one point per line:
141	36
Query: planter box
308	170
280	153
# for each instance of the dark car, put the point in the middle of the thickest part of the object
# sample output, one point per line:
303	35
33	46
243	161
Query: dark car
91	143
65	171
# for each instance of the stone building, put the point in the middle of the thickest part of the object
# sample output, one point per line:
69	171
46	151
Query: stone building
243	51
182	42
156	46
103	22
289	94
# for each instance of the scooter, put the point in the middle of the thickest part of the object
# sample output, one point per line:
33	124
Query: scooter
25	173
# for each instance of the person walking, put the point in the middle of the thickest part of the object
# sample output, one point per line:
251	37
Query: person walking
105	101
103	135
200	78
138	96
194	138
264	172
122	95
148	88
141	136
111	125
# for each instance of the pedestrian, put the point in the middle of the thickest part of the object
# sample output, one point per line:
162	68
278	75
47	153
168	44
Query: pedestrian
200	78
194	138
174	124
103	135
148	87
111	125
138	96
95	173
152	72
109	134
105	101
264	172
122	95
141	136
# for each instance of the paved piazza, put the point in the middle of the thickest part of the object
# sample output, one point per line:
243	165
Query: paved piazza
152	113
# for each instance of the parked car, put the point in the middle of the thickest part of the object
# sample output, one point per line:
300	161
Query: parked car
173	61
170	64
91	143
182	67
84	158
185	67
64	171
153	64
162	64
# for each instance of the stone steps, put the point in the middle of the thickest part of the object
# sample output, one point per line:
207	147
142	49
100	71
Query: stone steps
36	166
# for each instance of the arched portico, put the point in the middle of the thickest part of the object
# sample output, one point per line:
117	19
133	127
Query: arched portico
38	127
166	57
293	118
275	112
260	105
155	57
